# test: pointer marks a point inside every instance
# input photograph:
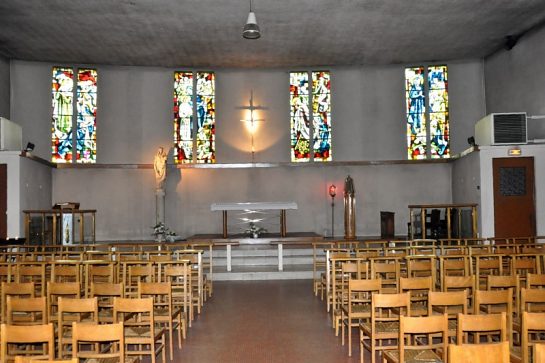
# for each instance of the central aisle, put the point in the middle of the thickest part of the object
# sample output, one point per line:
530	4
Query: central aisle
263	321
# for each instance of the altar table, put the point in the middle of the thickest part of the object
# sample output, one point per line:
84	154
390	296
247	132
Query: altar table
255	206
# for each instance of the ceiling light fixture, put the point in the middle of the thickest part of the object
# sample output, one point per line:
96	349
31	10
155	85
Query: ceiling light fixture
251	29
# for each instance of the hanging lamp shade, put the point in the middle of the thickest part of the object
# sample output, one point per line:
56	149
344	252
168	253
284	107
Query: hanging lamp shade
251	29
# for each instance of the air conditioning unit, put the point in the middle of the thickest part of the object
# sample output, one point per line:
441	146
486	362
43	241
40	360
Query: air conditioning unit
11	135
502	129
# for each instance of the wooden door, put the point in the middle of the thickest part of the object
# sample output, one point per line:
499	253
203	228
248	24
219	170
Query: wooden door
514	204
3	201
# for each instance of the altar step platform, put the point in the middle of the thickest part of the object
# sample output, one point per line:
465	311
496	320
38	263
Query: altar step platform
268	258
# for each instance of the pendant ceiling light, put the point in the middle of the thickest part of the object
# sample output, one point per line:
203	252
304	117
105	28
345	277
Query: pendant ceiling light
251	29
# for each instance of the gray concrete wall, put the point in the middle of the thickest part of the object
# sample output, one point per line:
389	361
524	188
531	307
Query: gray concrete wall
4	87
466	181
36	186
515	81
135	117
125	198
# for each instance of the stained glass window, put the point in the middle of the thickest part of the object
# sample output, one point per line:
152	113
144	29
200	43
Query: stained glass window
321	113
438	110
63	120
300	118
86	146
206	118
425	140
61	124
194	94
304	106
183	117
416	113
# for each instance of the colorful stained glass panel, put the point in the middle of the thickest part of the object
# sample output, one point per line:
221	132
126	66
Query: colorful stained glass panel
61	123
321	111
86	146
206	118
299	117
415	112
183	117
438	111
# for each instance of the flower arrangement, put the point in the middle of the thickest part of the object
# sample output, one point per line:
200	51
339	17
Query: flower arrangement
254	230
162	233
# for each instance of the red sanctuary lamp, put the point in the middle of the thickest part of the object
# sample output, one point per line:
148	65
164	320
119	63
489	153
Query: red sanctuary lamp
332	193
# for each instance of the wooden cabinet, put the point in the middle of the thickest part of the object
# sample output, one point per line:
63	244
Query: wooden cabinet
443	221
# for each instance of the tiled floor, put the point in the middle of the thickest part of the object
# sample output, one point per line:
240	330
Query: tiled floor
263	321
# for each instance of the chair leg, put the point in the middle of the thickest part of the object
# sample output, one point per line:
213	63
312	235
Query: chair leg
349	327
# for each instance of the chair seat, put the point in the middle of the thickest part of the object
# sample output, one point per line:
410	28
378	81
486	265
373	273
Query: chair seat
414	355
358	309
382	327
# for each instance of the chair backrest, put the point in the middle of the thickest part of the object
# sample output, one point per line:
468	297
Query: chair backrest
25	289
29	334
66	272
32	273
383	305
70	310
420	326
533	327
450	302
535	281
95	333
418	288
532	300
484	323
23	311
387	269
479	353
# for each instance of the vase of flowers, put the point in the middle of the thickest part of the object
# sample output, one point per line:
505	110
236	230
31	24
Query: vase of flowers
254	230
163	233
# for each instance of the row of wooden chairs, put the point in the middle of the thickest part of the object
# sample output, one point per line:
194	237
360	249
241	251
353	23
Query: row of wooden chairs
154	306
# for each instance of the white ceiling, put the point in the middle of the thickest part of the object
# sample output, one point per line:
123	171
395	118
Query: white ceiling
295	33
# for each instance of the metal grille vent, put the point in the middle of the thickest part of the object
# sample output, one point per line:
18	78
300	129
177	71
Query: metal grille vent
510	128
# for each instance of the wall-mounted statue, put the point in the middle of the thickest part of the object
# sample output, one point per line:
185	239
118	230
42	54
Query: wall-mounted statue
160	167
349	209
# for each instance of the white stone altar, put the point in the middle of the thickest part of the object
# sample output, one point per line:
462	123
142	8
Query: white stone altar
254	206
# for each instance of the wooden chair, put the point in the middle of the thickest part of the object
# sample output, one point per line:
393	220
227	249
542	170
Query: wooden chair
178	276
135	274
319	266
388	270
60	289
488	265
14	289
479	353
73	310
110	339
37	340
98	272
26	311
451	303
384	325
533	329
66	271
458	283
349	270
453	266
496	301
418	340
419	289
503	283
523	265
165	314
105	293
491	326
140	329
358	306
32	272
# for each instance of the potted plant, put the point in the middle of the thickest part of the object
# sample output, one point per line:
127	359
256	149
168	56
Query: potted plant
162	233
254	230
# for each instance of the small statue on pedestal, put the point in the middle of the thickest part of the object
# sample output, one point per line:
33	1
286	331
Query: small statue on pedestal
349	209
